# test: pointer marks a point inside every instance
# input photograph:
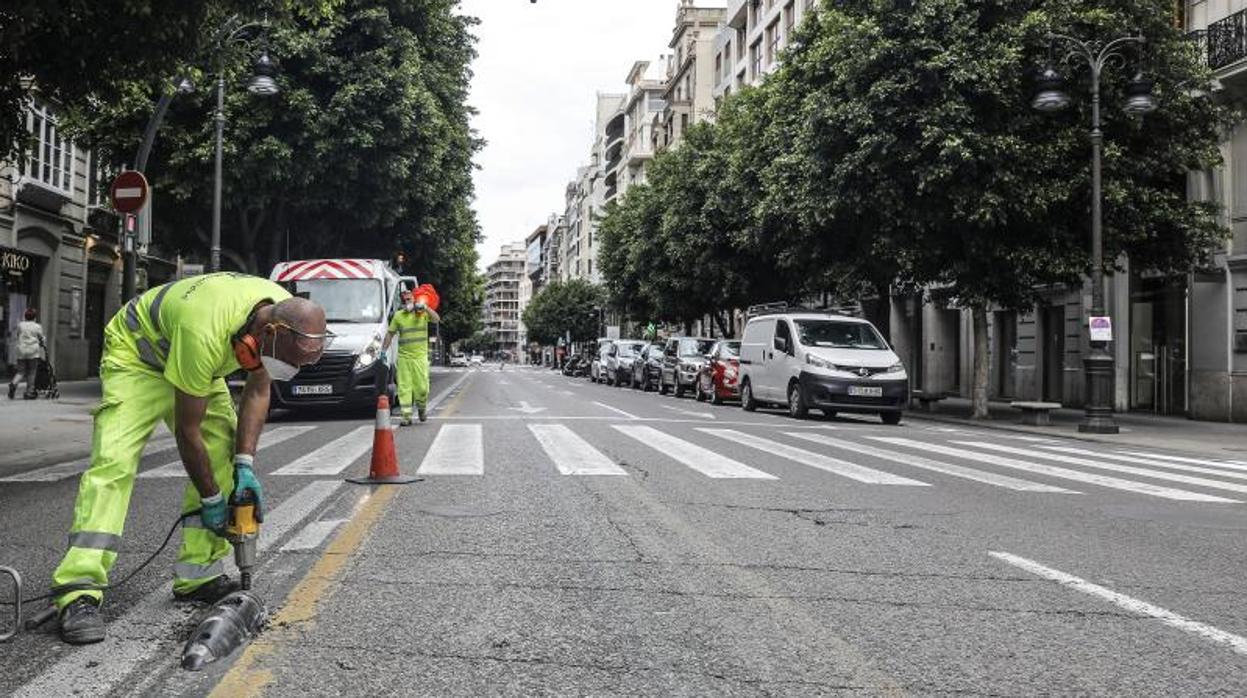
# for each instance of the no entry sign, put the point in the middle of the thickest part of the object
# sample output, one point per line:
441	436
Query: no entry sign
129	191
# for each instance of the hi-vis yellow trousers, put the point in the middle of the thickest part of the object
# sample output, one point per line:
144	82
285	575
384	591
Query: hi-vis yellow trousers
413	382
135	399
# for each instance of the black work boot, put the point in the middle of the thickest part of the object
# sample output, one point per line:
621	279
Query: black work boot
81	623
423	416
209	592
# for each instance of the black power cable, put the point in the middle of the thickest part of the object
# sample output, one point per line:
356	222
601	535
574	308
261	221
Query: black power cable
86	586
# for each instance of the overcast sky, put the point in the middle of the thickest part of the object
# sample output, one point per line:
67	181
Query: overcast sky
539	68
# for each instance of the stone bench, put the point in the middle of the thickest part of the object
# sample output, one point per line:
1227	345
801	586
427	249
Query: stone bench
1036	414
926	401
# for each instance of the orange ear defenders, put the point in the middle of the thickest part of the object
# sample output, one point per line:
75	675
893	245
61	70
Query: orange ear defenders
247	347
247	351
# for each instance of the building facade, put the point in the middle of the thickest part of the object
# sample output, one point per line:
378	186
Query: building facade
587	195
501	310
58	248
688	97
748	46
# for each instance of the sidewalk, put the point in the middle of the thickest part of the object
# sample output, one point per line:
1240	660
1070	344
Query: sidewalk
1216	439
40	432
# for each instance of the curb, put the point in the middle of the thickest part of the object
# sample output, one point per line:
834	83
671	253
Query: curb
1003	426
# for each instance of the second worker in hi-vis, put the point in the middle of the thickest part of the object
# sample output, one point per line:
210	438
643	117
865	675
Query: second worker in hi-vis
411	324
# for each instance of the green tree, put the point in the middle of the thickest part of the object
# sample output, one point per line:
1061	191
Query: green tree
86	53
561	308
366	151
921	152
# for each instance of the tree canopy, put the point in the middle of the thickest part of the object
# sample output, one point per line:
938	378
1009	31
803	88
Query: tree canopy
365	151
562	308
895	149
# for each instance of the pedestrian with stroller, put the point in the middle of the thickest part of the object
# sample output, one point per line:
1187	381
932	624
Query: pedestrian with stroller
30	343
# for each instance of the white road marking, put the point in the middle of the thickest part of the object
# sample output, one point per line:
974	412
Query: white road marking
1055	471
616	410
937	466
1236	643
527	408
814	460
1101	465
333	457
571	454
141	632
1234	474
702	460
312	535
272	437
1231	464
704	415
457	450
293	510
68	469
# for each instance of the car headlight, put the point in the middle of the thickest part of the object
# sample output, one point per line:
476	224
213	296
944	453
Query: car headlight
819	362
895	368
369	355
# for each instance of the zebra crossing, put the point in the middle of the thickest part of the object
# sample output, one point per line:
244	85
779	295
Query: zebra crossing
870	457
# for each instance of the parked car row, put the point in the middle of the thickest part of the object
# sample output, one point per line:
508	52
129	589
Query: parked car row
796	359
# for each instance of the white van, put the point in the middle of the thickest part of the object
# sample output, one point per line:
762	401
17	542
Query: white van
812	359
359	296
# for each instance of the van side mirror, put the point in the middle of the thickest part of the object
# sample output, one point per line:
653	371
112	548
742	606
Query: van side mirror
781	344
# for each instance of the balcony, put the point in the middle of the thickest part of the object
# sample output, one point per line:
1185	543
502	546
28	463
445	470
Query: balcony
1225	40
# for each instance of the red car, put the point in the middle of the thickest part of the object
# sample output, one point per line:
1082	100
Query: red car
719	379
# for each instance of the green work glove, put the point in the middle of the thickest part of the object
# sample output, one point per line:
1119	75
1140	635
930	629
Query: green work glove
213	513
245	479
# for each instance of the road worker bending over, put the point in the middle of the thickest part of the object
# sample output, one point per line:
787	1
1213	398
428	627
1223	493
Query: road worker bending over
411	324
166	355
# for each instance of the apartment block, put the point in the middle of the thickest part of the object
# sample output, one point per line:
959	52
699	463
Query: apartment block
691	74
748	46
501	311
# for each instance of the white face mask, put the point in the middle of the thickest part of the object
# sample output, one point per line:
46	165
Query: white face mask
410	307
277	369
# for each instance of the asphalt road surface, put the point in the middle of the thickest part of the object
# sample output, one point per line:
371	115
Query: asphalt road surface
577	539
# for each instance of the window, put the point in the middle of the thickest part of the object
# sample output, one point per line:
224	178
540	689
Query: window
755	59
772	42
718	66
789	18
740	44
99	174
783	337
51	157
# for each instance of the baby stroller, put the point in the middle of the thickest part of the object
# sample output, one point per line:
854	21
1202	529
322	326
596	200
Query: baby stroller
45	380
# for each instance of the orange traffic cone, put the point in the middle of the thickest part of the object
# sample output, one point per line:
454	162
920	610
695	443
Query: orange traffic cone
384	468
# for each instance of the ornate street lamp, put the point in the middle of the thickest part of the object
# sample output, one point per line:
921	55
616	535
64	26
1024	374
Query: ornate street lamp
261	83
1050	97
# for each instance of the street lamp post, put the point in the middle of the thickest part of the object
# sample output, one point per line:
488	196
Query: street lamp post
1098	366
263	84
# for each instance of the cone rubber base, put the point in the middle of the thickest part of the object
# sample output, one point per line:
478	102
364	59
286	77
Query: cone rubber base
396	480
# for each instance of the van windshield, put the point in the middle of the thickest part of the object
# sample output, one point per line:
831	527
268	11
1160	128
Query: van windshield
839	334
344	300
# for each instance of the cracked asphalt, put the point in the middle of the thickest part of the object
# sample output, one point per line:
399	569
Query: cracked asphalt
660	580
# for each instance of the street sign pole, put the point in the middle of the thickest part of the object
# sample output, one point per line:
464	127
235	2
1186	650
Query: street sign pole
128	193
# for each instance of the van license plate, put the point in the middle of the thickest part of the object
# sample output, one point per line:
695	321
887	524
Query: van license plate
865	391
311	390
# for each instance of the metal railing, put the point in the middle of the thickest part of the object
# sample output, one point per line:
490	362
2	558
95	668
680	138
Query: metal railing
1226	40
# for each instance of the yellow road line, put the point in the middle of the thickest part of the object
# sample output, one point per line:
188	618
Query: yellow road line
453	406
249	676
